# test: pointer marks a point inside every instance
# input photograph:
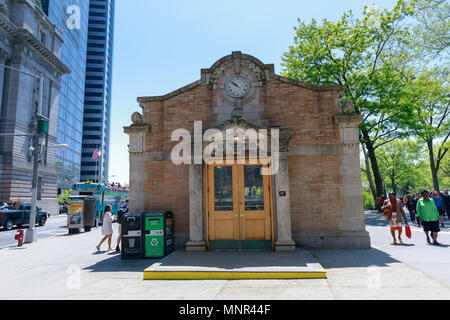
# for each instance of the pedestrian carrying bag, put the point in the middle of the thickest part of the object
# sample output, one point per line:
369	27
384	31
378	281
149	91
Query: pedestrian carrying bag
387	213
408	231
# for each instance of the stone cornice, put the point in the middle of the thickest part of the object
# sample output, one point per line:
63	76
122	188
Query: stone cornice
266	71
137	128
31	40
352	118
44	19
308	85
171	94
7	25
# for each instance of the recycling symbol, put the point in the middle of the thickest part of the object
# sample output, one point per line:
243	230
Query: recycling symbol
154	242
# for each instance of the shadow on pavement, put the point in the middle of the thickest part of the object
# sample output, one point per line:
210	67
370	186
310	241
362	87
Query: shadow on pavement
405	245
114	263
375	219
348	258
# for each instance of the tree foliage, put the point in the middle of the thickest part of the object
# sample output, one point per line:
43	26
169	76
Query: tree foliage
393	65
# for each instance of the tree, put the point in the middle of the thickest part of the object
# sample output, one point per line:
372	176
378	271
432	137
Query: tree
398	164
65	197
432	30
360	54
429	96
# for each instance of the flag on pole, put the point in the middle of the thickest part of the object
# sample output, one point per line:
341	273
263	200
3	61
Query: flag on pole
97	154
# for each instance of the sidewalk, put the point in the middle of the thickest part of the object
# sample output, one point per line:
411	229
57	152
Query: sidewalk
68	267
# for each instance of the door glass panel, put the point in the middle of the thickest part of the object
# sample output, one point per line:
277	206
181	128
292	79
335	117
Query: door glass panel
223	188
253	187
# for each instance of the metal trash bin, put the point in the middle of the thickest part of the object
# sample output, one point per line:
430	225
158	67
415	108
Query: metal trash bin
131	236
89	213
158	234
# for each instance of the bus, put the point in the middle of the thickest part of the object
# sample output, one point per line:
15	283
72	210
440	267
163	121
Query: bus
103	194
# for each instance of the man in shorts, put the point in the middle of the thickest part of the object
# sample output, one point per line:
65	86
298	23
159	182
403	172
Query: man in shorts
428	215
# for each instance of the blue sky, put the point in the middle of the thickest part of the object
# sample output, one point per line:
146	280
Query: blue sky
160	46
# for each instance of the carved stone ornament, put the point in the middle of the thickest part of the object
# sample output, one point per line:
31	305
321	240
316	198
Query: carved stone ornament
345	105
136	118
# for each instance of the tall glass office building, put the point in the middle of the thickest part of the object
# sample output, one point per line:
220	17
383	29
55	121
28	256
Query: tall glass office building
71	18
97	102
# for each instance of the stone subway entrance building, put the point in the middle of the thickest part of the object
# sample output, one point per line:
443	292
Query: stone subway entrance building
315	198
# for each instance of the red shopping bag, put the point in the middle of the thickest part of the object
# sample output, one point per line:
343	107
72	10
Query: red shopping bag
408	231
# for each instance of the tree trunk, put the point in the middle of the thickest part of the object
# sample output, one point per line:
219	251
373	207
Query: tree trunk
373	162
369	174
434	170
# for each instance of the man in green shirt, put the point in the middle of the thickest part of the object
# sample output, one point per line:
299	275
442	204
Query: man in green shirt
428	215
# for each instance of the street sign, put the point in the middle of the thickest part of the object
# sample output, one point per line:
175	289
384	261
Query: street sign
43	126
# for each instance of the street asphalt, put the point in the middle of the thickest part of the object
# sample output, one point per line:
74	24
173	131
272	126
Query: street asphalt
55	225
63	266
416	252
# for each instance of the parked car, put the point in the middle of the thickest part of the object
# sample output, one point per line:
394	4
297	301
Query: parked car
19	216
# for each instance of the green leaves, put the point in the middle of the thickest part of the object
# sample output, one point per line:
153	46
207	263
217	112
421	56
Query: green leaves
381	59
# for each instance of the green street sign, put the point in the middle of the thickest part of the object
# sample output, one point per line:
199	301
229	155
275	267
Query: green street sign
43	126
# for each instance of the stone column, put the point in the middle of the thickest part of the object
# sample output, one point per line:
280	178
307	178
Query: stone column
138	173
196	213
284	240
352	222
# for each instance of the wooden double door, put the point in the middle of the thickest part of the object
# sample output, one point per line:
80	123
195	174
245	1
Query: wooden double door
239	208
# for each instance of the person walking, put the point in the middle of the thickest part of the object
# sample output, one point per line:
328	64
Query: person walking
393	211
123	209
428	215
415	199
438	202
107	229
446	200
409	204
381	201
377	204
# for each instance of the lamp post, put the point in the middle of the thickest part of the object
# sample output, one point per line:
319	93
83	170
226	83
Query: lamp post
41	128
30	235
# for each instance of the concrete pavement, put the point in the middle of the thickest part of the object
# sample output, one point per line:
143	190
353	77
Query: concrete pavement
416	252
68	267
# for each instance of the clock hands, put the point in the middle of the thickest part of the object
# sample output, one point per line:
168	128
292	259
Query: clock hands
237	86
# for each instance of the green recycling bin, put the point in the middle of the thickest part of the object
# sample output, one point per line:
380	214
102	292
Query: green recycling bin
158	234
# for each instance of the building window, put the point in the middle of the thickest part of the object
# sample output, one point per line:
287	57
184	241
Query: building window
42	37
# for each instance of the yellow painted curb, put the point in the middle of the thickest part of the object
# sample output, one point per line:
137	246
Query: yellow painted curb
191	275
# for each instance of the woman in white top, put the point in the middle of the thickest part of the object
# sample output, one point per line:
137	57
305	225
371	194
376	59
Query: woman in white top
107	229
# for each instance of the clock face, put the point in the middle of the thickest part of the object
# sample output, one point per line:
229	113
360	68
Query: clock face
237	85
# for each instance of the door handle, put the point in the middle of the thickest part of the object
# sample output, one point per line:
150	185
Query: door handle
235	211
242	210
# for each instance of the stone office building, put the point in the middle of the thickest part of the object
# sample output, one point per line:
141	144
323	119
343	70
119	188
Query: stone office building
314	199
31	43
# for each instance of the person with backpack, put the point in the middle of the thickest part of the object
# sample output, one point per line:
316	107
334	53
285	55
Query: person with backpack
393	211
123	209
